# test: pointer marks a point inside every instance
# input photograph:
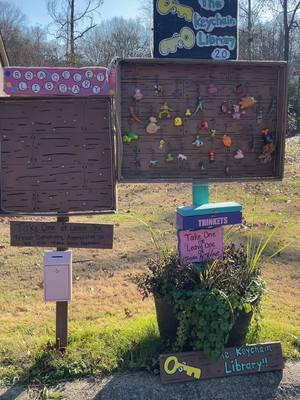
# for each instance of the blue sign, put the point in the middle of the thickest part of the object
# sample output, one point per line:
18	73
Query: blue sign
202	29
207	221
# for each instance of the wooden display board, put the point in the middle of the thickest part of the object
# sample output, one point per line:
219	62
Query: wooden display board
57	155
205	99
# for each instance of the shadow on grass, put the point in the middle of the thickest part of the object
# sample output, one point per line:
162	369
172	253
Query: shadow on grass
130	379
52	367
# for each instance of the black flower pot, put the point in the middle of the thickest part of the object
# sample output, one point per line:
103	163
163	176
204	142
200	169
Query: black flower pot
166	318
238	333
168	323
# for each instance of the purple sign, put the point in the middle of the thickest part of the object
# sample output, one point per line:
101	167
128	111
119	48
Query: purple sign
201	245
208	220
19	81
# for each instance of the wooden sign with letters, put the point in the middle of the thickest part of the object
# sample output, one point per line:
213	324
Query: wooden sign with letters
57	234
57	155
241	360
208	221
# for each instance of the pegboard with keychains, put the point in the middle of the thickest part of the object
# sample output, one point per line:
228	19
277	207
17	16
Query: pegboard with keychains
191	120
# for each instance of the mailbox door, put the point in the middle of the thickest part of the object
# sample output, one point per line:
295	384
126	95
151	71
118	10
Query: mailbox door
57	282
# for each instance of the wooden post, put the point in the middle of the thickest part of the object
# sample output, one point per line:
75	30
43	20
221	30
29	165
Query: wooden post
200	194
62	309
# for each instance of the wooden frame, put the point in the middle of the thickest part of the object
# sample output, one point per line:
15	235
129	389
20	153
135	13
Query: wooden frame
266	81
57	155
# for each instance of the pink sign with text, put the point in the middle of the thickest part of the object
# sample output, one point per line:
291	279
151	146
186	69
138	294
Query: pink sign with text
42	81
201	245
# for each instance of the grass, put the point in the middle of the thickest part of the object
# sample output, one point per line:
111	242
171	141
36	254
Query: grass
111	328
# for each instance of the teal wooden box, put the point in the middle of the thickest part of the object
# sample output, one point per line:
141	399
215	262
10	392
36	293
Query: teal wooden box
210	208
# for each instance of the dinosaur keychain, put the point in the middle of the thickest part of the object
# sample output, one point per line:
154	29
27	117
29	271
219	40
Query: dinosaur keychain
199	105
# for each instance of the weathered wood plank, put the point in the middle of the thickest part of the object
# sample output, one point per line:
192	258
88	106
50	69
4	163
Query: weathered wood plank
52	234
57	155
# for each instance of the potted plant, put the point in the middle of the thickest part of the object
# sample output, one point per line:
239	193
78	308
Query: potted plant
206	310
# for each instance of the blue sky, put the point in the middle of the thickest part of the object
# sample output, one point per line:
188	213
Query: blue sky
36	10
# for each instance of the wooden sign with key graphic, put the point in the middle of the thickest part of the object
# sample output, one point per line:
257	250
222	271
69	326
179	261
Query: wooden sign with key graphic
241	360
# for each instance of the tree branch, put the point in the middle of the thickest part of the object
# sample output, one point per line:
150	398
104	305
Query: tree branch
297	7
84	32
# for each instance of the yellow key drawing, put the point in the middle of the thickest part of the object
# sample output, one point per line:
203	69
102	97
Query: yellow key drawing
180	367
164	7
184	39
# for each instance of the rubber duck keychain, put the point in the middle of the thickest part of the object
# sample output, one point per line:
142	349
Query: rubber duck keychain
152	126
178	121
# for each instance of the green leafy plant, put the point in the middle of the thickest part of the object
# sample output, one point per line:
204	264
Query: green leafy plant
205	319
207	304
207	316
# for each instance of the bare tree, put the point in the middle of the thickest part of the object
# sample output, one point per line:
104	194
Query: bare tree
72	23
11	18
289	12
12	22
250	11
116	37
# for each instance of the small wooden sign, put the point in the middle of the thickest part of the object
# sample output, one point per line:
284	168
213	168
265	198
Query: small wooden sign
208	221
53	234
200	245
184	367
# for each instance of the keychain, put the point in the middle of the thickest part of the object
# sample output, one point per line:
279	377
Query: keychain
152	126
138	95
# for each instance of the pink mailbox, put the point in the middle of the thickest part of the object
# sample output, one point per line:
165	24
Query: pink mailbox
58	275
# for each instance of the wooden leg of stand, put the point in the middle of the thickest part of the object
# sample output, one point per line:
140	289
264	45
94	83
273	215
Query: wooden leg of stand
61	325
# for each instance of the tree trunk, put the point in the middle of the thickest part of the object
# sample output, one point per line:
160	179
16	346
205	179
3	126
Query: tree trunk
72	41
298	106
250	38
286	30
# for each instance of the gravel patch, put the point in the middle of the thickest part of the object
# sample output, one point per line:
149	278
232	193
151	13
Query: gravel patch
143	386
